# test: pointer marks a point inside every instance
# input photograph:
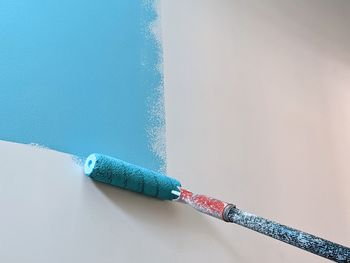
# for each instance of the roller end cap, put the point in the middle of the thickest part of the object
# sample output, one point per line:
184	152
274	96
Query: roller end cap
90	163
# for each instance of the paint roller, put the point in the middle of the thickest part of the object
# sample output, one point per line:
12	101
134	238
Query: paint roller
119	173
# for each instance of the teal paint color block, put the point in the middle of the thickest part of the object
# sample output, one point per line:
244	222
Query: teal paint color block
77	76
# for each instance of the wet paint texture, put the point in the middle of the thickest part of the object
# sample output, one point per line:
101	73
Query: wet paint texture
131	177
203	203
308	242
76	76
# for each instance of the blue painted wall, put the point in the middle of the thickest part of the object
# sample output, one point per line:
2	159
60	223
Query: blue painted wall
75	76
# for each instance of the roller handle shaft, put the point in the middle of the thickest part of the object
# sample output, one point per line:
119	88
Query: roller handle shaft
291	236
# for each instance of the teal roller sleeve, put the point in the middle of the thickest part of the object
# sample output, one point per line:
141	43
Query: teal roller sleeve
128	176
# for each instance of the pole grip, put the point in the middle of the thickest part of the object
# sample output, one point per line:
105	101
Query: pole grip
291	236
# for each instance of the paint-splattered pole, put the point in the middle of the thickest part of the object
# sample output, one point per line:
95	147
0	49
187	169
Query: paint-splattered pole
291	236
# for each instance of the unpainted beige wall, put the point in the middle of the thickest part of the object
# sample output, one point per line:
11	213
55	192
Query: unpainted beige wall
257	98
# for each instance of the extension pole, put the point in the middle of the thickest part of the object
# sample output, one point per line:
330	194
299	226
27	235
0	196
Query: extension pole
291	236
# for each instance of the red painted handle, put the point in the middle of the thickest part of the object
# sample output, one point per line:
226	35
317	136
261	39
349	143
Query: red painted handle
205	204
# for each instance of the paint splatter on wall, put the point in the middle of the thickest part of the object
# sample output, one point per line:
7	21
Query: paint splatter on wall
82	76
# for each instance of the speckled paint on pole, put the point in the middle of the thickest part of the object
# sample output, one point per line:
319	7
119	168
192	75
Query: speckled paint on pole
291	236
